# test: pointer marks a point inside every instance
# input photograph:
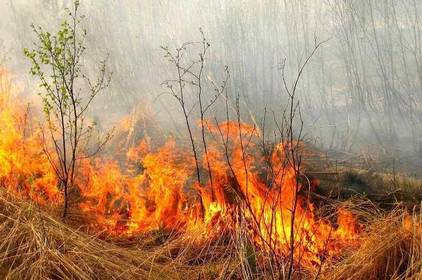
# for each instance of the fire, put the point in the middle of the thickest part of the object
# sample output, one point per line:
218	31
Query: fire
161	196
25	170
147	201
156	188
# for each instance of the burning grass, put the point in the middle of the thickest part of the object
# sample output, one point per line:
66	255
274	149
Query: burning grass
390	249
146	217
35	245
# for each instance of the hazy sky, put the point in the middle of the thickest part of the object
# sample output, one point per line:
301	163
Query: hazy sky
362	85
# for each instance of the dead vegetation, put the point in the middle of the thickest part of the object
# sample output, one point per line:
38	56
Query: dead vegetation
248	222
37	245
390	249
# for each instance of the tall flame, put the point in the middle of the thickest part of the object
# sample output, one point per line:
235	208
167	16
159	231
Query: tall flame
24	169
157	189
160	196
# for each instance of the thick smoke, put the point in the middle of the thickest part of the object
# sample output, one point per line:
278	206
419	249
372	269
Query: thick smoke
361	89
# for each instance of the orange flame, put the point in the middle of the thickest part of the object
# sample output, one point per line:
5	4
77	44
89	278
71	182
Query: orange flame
158	188
24	169
158	197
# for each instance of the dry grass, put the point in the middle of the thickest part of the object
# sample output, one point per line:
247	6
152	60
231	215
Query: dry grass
391	248
384	182
34	245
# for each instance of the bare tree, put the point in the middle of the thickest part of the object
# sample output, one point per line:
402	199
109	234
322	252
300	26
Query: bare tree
189	85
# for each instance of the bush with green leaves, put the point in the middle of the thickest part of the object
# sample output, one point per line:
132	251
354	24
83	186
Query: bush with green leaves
67	93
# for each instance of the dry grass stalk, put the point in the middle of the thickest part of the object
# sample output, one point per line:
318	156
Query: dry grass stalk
34	245
390	249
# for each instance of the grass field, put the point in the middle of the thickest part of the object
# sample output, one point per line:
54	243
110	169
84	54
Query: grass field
36	244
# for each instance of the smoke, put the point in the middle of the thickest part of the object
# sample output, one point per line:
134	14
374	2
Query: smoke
362	87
